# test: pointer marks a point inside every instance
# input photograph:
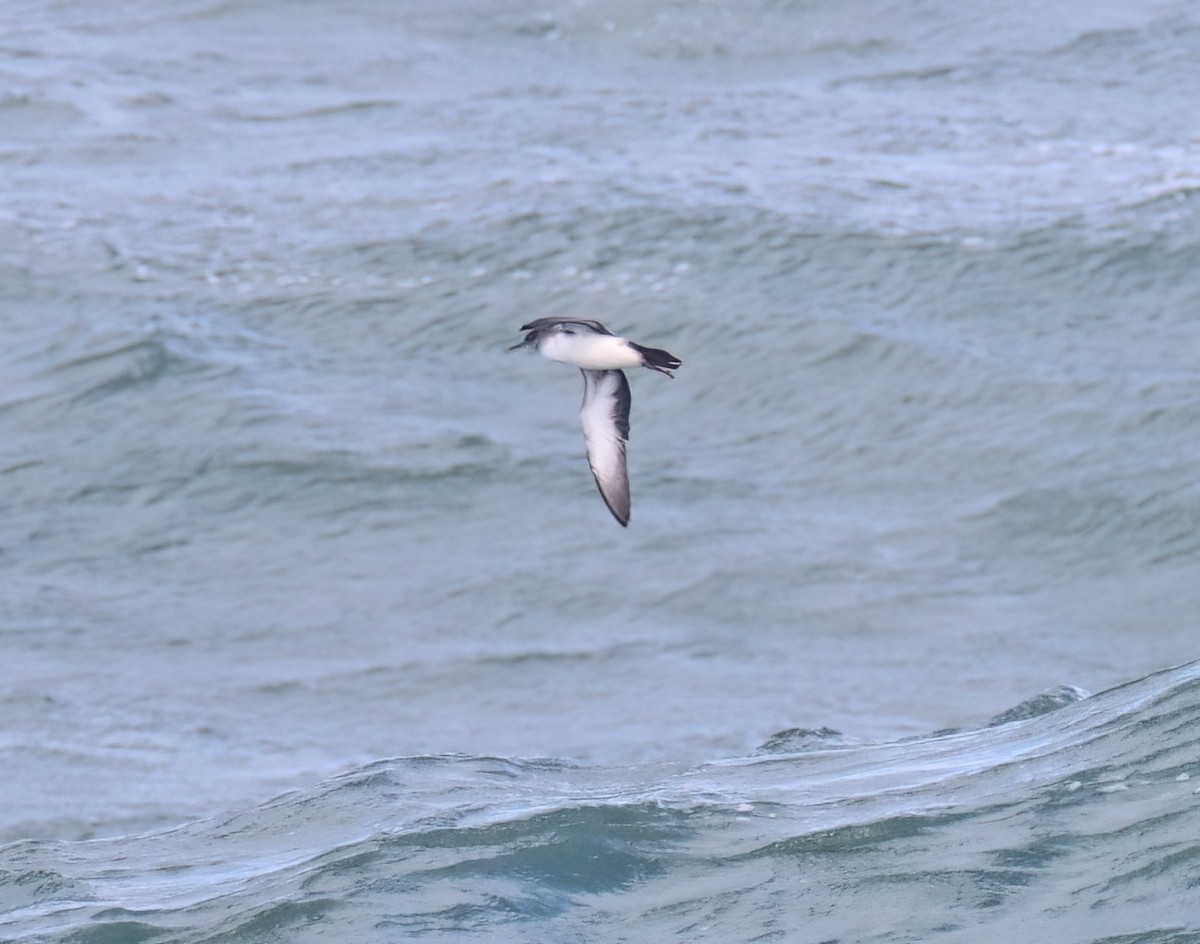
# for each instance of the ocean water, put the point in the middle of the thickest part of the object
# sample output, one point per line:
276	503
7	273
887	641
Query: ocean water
312	625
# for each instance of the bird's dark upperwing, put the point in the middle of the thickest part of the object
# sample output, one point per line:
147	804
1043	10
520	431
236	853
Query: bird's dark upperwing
605	419
543	323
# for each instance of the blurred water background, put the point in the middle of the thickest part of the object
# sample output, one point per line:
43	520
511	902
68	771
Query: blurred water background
312	625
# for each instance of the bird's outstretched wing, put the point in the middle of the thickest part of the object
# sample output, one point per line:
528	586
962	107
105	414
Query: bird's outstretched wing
541	324
605	419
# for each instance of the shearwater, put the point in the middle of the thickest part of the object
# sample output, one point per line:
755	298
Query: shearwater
601	356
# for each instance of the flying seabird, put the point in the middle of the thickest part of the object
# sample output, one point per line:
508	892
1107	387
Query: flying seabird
600	355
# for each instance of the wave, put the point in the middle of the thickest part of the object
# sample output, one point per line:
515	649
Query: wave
1077	818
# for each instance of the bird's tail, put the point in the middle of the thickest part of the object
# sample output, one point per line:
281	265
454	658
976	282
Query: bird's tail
657	359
